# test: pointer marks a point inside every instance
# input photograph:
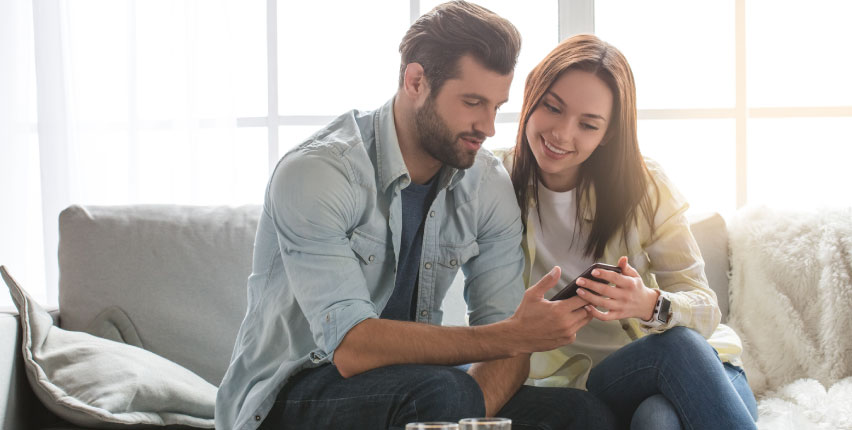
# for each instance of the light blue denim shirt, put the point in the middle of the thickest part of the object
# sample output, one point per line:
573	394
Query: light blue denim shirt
325	254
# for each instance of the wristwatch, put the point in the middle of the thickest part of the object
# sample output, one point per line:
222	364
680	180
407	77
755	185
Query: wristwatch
662	312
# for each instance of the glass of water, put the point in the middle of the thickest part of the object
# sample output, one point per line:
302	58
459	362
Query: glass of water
485	424
432	426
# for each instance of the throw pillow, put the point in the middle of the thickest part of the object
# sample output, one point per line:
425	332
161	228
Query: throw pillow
99	383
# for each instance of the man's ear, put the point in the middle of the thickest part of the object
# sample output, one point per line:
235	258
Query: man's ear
414	81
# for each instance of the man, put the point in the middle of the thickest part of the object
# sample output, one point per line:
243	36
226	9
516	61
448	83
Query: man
365	226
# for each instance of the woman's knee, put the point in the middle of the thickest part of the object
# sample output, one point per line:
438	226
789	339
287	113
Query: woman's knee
656	413
681	344
681	336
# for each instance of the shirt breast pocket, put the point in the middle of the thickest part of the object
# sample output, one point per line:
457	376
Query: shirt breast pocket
370	250
377	264
450	258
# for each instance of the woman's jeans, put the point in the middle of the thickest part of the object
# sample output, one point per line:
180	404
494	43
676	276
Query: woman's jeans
673	380
390	397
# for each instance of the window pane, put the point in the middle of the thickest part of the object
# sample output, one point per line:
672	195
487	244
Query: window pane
699	156
337	55
101	168
799	53
800	163
100	81
539	28
168	59
199	59
230	166
682	53
203	167
229	72
209	166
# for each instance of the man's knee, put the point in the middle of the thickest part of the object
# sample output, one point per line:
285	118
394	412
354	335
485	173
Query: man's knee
447	393
558	408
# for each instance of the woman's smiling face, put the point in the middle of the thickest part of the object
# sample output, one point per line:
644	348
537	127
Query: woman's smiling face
567	125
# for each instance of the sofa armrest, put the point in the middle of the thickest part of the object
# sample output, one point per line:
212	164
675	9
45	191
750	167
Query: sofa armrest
15	393
19	408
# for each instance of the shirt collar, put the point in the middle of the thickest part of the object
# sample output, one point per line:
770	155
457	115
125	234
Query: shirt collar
389	160
391	165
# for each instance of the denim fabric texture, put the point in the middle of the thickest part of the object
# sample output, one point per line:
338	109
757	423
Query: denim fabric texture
390	397
681	366
327	250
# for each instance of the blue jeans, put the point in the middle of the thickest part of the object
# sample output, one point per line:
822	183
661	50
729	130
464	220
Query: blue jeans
390	397
673	380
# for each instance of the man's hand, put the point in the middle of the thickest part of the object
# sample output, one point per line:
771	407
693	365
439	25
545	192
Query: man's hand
540	324
537	325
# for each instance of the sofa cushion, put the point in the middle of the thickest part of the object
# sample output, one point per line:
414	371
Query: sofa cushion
712	236
178	274
99	383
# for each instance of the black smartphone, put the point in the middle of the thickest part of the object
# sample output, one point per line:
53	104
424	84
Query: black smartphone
570	290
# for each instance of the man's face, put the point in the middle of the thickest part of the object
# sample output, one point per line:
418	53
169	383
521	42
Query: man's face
452	124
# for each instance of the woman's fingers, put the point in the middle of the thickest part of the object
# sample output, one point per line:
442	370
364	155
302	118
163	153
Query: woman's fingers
598	287
595	300
603	316
626	268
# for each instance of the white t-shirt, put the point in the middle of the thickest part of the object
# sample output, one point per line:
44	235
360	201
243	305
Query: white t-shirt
557	245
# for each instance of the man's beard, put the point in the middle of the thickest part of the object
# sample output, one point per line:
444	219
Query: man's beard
438	141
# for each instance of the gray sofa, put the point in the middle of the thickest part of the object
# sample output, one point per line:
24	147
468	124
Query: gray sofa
178	273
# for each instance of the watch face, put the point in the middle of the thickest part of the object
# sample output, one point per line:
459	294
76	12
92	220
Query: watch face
663	316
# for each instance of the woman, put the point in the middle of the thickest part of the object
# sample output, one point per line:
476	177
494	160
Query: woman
656	353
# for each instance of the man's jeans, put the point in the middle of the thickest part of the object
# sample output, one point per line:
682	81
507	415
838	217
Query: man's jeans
674	375
390	397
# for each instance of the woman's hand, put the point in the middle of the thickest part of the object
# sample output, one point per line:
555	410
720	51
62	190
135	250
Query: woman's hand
629	298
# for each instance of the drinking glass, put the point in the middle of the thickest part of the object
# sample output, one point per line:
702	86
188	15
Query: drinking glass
485	424
432	426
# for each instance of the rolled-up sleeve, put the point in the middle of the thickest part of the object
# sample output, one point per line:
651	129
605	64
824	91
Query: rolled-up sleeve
493	279
314	202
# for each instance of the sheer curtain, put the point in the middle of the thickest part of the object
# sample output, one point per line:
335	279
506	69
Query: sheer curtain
21	240
124	102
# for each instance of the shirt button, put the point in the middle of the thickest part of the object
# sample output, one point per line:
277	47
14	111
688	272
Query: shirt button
428	265
257	417
371	258
327	317
423	313
432	214
453	262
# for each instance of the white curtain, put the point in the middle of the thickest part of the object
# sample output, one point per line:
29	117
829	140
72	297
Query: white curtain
124	102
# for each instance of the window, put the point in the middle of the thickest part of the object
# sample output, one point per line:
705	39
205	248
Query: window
193	102
743	101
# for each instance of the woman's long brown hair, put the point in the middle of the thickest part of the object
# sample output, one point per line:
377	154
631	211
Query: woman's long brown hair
616	168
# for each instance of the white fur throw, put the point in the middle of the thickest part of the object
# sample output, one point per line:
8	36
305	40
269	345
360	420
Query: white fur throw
807	405
791	296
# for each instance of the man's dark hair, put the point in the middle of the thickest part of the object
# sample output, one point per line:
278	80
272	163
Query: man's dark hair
451	30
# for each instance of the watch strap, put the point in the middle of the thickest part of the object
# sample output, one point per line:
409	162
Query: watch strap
662	312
